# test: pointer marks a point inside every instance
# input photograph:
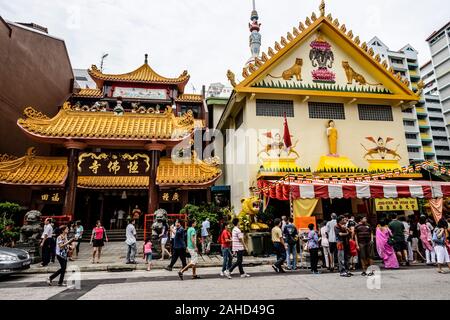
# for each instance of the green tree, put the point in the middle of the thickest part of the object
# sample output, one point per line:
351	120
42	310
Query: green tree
9	233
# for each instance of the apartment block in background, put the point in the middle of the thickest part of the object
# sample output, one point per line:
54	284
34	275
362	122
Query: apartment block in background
435	113
415	119
439	43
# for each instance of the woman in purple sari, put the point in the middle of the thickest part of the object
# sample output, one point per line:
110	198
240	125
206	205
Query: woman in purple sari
385	250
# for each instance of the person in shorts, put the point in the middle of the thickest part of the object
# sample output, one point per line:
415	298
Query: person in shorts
193	251
365	245
398	234
148	253
98	239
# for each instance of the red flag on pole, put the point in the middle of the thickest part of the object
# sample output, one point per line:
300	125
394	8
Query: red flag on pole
287	134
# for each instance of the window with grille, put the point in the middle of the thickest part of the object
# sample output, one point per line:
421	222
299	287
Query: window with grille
442	148
408	123
274	108
325	110
368	112
411	136
413	150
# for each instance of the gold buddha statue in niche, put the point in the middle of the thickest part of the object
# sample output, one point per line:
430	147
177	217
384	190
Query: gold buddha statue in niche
332	134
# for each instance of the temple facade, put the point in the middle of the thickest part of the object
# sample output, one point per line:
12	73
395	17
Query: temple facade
125	144
320	106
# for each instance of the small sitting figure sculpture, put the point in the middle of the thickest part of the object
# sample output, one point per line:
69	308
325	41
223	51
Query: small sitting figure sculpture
118	109
250	210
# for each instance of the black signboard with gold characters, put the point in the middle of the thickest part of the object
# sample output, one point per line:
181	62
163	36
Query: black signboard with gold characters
50	196
169	197
113	164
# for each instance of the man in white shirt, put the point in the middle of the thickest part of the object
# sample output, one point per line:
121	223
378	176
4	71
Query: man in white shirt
120	216
331	225
131	242
46	239
206	239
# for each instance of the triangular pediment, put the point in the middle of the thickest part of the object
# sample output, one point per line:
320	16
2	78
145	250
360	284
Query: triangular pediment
324	59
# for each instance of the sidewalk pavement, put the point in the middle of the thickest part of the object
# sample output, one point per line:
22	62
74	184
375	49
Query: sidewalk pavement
113	258
114	255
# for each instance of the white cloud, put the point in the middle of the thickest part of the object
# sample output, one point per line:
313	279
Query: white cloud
207	37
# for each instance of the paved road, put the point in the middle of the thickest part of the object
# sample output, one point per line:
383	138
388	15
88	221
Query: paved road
415	283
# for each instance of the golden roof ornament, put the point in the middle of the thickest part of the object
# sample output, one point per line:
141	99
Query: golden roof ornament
322	8
231	77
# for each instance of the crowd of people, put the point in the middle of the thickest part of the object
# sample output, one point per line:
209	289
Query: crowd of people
343	244
346	243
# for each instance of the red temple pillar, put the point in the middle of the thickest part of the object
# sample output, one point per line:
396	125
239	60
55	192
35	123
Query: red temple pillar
154	150
72	176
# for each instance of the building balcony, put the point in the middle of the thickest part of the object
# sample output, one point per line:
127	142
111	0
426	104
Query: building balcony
437	114
437	123
440	143
442	153
412	66
426	137
424	124
401	66
414	78
421	111
428	151
439	133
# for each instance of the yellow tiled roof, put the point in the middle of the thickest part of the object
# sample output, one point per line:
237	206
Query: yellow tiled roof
169	174
52	171
32	170
195	172
143	74
190	98
69	123
88	93
113	182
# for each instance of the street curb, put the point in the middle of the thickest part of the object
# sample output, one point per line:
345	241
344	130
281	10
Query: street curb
128	267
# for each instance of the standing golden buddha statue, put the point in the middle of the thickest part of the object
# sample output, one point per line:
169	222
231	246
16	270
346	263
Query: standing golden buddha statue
332	134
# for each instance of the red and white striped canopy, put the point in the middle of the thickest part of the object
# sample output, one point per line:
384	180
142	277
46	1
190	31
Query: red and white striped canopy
359	190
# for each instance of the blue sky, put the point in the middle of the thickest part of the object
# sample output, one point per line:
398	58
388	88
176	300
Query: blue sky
207	37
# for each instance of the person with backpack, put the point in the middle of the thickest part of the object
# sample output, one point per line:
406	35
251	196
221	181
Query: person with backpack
98	239
291	236
439	239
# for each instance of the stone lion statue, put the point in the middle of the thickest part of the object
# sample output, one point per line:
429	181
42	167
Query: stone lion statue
249	214
158	224
30	233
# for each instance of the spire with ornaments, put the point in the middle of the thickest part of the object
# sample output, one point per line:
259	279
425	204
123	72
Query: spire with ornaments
255	36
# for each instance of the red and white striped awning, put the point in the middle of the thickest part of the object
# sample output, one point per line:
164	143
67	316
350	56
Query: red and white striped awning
359	190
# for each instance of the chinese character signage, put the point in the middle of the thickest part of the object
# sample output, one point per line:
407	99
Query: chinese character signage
51	197
113	164
166	196
404	204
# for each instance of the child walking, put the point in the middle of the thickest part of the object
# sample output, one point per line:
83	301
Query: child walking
353	253
148	254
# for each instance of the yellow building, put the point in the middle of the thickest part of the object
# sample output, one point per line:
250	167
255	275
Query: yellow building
342	103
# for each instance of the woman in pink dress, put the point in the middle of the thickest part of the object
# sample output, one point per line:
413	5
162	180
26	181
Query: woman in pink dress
425	237
385	250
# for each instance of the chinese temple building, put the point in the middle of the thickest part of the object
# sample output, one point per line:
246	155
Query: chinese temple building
115	147
322	115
